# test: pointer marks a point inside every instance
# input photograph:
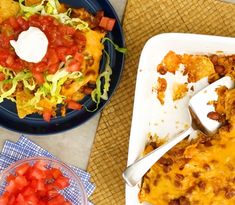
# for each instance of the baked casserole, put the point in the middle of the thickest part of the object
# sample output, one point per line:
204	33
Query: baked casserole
200	171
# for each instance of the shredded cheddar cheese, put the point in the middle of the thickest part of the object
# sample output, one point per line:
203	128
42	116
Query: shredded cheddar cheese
198	172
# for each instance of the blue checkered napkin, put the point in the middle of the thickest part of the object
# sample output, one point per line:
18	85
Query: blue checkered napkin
24	148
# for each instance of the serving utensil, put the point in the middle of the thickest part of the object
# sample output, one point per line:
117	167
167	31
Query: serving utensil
198	110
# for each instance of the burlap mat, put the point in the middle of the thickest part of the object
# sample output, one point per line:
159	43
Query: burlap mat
143	19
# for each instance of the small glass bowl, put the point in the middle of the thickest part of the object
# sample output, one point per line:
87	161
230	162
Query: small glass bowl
75	192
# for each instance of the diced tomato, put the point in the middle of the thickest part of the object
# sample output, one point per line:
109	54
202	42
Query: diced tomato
3	54
73	66
10	177
12	200
35	185
4	42
11	187
51	186
52	57
7	30
53	68
62	182
79	57
56	173
40	67
21	182
58	200
22	169
28	190
4	199
17	65
42	203
62	52
40	185
47	115
67	30
52	193
20	200
68	41
42	194
80	41
31	199
10	60
14	23
41	165
38	174
107	23
39	77
23	23
67	203
74	105
48	174
34	21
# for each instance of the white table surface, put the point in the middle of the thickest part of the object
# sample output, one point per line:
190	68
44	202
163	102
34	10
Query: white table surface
73	146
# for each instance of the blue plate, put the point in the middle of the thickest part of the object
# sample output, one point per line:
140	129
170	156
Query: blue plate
34	124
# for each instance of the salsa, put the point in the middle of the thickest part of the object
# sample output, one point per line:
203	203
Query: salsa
63	41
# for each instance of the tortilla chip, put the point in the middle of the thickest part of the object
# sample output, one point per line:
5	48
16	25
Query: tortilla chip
197	67
61	7
171	61
23	108
8	8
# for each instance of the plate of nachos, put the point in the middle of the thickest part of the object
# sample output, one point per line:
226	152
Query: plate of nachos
60	62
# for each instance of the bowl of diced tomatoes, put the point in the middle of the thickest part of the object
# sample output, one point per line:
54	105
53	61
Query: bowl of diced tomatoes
41	181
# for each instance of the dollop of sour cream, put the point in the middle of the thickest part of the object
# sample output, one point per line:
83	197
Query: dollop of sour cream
31	45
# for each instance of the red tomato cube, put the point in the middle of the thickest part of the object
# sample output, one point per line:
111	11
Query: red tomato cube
21	170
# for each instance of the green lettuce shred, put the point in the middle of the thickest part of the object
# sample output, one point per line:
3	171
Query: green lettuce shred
30	10
117	48
56	81
13	79
50	7
98	93
76	23
52	87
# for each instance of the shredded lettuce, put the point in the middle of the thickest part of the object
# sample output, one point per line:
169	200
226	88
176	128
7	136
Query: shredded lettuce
7	72
24	76
50	7
117	48
98	94
30	10
58	79
76	23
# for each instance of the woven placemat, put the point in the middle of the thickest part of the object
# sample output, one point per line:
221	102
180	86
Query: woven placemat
143	19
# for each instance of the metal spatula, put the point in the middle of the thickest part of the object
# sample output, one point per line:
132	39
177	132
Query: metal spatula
198	110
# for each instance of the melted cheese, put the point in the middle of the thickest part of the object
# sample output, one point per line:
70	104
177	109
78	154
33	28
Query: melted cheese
201	172
94	48
8	8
